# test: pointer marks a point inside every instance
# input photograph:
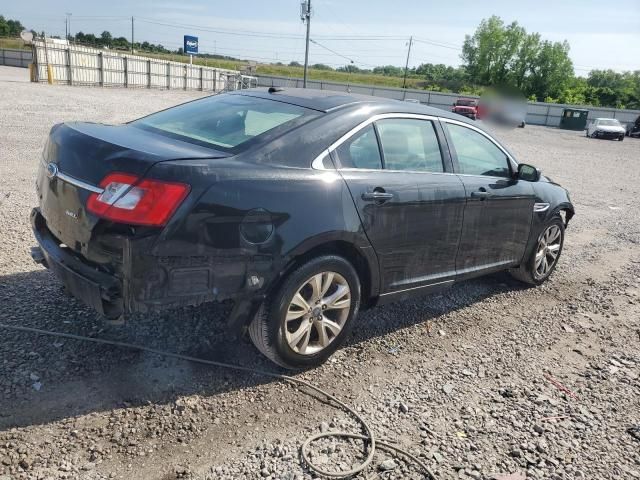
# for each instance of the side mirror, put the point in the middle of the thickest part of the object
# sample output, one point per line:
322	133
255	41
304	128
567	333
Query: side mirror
528	173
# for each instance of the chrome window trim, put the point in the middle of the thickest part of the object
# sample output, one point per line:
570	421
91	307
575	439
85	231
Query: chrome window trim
317	163
487	136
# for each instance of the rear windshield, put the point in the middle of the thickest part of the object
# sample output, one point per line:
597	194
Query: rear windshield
609	123
225	121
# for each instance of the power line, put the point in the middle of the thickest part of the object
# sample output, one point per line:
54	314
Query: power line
437	44
332	51
242	33
253	33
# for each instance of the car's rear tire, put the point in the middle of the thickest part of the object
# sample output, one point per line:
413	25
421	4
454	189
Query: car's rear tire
544	258
309	315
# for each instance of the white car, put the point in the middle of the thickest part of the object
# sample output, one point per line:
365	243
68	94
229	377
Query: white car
606	128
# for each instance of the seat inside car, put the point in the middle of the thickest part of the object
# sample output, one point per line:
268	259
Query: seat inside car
395	145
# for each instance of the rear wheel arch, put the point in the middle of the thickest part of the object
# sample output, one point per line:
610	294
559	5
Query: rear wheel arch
346	250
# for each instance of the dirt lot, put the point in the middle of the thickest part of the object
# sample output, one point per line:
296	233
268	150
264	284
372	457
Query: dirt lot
460	379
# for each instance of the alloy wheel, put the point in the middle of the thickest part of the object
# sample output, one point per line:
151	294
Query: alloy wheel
548	251
317	313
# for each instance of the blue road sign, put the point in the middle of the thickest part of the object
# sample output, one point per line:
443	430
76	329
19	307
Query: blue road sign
190	44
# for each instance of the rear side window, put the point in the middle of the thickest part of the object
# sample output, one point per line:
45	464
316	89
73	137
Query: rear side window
360	151
410	144
225	121
477	155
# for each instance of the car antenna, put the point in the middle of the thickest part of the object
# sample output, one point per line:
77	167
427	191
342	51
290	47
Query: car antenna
275	89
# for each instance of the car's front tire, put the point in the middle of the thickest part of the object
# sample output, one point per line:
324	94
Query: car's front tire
541	263
309	315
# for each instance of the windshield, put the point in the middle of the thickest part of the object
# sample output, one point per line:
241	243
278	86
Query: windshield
465	103
609	122
225	121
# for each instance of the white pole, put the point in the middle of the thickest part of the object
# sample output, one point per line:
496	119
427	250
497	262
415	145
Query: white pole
190	59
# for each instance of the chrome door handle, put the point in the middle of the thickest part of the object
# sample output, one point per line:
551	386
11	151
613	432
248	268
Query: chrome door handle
481	195
377	196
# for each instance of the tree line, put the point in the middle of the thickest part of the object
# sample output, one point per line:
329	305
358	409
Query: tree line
506	56
10	28
497	55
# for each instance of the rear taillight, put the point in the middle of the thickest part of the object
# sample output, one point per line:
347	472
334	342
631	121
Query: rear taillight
128	199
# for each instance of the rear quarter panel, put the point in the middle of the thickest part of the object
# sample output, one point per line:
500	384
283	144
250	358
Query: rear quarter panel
302	207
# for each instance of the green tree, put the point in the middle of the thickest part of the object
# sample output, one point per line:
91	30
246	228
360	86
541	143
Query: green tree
551	71
389	70
621	90
106	39
321	66
523	61
10	28
489	52
443	77
506	56
15	27
4	28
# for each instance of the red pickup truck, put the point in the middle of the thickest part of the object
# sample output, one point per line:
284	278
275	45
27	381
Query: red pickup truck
467	107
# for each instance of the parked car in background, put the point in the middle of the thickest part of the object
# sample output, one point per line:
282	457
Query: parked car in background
467	107
300	206
510	111
606	128
633	129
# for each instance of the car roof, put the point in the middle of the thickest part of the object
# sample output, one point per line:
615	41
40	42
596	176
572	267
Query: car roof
606	118
328	100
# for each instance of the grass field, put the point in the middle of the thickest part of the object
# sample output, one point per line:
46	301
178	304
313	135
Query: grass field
15	43
264	68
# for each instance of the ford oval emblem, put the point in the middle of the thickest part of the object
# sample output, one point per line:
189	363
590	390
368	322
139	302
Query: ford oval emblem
52	170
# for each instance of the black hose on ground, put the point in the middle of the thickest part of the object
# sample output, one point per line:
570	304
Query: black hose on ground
369	438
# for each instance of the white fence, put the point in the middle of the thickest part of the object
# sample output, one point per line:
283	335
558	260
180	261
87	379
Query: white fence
78	65
15	58
538	113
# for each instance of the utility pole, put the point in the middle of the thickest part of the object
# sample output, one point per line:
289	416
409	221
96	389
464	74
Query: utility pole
306	16
68	26
132	34
406	65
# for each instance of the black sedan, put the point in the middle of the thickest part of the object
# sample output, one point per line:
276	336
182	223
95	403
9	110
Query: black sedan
300	206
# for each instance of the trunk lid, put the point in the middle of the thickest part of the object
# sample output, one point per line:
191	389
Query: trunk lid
78	156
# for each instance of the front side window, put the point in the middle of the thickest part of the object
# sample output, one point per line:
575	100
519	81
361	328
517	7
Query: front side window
225	121
360	151
477	155
409	144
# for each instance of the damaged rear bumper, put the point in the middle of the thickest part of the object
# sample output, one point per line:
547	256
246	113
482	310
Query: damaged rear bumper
99	290
145	283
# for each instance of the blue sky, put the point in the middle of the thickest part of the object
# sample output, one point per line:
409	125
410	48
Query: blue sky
602	34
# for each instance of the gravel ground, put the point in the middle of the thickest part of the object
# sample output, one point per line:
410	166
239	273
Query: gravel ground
488	380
